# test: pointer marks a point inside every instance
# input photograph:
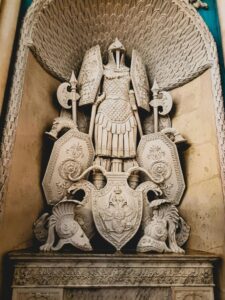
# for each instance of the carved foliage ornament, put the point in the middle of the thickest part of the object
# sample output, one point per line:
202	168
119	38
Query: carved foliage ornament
111	276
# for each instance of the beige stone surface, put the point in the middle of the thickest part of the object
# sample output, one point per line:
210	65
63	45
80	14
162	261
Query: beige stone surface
201	165
9	11
24	199
203	208
194	116
203	203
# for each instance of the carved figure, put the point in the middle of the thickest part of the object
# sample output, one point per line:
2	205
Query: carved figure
162	228
116	119
117	209
59	124
67	229
114	199
119	216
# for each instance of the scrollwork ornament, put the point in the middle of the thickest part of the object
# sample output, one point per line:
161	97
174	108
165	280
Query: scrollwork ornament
70	167
160	170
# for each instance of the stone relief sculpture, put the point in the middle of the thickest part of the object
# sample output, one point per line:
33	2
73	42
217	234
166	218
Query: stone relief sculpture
68	230
100	181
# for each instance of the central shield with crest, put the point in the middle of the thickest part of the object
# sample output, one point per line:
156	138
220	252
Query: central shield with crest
117	210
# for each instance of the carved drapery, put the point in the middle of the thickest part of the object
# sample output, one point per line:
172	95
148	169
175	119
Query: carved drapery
175	44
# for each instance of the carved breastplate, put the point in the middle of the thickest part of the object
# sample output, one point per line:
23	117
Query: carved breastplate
116	84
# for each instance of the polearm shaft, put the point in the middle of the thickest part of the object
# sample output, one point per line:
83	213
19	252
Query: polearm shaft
154	103
156	119
73	83
135	110
100	98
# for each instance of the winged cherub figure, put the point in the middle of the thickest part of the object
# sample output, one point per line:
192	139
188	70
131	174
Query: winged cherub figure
115	120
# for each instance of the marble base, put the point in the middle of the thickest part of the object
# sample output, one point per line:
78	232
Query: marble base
60	276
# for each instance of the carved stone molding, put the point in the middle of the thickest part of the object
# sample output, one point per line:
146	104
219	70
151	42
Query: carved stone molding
73	270
162	276
198	293
37	294
171	37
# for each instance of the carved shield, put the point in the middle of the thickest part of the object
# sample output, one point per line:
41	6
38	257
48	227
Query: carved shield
140	81
72	154
117	210
158	155
90	76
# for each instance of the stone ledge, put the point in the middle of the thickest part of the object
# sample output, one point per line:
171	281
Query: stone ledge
112	270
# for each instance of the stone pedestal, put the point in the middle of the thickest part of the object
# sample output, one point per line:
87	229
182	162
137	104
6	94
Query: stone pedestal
58	276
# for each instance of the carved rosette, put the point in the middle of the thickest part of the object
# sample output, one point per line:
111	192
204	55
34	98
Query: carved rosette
72	154
158	155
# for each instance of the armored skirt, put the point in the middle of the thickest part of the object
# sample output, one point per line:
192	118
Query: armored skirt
115	124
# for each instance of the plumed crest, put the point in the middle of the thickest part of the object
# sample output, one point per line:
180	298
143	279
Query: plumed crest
65	207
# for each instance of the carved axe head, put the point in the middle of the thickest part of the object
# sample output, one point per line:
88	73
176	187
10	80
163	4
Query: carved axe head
65	92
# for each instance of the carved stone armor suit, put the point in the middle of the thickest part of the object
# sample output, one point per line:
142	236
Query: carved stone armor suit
114	119
115	123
